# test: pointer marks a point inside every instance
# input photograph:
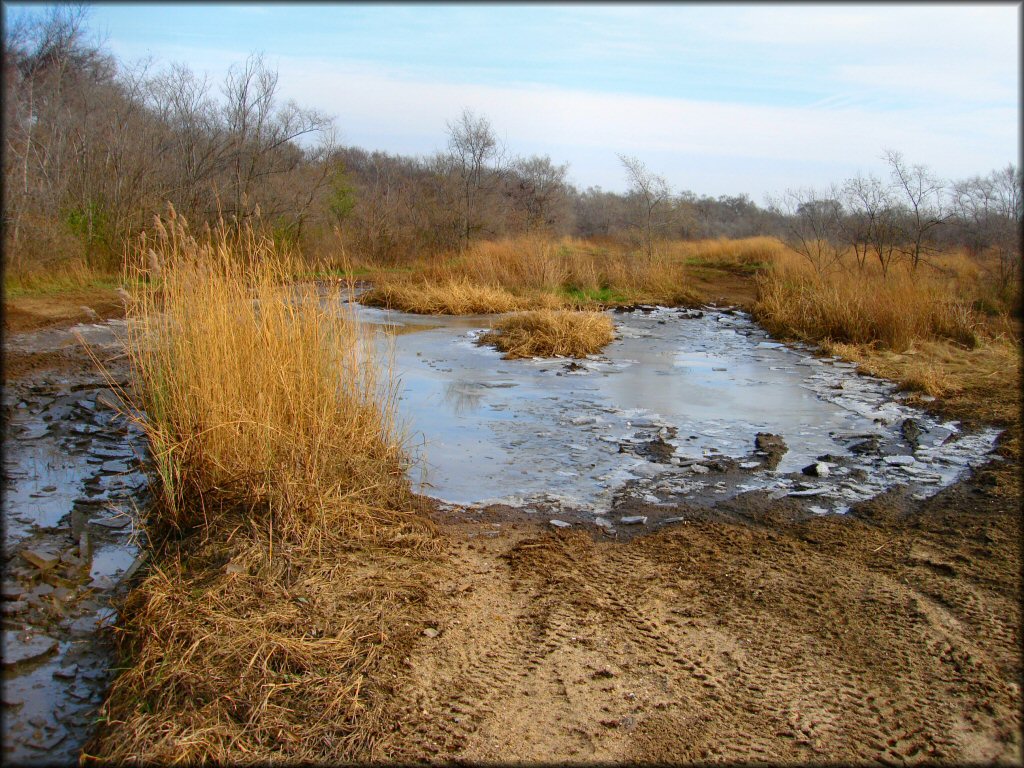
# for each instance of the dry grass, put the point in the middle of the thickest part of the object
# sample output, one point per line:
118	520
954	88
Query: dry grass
451	296
291	566
535	273
547	333
863	308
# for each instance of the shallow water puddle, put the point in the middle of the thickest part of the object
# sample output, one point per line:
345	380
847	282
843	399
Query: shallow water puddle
72	482
668	412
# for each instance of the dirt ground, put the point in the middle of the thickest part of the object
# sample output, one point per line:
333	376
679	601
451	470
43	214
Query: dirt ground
751	631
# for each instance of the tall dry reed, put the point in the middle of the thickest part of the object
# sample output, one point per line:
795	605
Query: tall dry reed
255	393
863	308
275	618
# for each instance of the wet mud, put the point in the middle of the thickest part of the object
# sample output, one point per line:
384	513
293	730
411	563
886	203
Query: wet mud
72	487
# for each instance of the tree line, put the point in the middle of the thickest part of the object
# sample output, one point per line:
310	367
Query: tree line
93	149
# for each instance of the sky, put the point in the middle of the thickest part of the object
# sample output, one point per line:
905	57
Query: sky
721	99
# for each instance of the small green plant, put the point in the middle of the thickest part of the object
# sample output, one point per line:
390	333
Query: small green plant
602	295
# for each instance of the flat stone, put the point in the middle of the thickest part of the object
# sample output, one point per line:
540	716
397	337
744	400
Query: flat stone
41	559
899	461
11	590
112	522
699	469
42	590
634	520
560	523
46	745
431	632
750	464
102	583
20	647
66	673
603	522
106	399
808	492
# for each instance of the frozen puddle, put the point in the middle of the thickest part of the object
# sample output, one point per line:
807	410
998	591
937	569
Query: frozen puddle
669	412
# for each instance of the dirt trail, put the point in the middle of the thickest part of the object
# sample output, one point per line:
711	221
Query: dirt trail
891	634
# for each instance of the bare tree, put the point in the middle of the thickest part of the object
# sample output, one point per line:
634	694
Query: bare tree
990	213
812	226
477	161
922	197
539	192
871	221
262	136
653	197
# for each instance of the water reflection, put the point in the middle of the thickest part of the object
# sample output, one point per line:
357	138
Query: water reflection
463	396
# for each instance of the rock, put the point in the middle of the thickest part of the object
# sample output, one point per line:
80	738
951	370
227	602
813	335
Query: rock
771	445
66	673
699	469
656	450
750	464
47	745
818	469
41	559
911	431
11	590
603	522
634	520
235	568
431	632
899	461
42	590
102	583
668	520
560	524
20	647
871	445
14	607
106	399
808	492
114	523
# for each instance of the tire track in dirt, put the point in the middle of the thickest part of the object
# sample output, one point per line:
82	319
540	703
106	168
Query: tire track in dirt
830	639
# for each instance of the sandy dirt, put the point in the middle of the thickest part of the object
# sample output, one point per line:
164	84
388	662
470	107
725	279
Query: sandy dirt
750	632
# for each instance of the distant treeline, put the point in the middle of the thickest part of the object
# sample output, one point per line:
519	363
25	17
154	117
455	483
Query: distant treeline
94	148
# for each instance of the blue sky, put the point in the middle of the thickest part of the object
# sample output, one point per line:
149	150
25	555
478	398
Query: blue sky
721	99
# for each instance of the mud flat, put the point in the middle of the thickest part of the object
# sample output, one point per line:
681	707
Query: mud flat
72	485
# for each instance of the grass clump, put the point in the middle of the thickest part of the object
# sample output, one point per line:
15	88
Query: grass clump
547	333
291	567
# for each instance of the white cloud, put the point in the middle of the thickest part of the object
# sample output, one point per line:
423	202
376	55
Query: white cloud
376	107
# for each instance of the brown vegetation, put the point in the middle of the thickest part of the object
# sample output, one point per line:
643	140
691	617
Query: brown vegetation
291	562
551	333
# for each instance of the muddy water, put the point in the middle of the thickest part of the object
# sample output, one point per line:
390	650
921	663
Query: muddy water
71	486
669	412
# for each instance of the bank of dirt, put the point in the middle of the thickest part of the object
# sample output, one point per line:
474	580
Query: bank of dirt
750	632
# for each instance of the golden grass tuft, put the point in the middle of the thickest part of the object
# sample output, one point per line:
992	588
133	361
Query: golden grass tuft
291	567
547	333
